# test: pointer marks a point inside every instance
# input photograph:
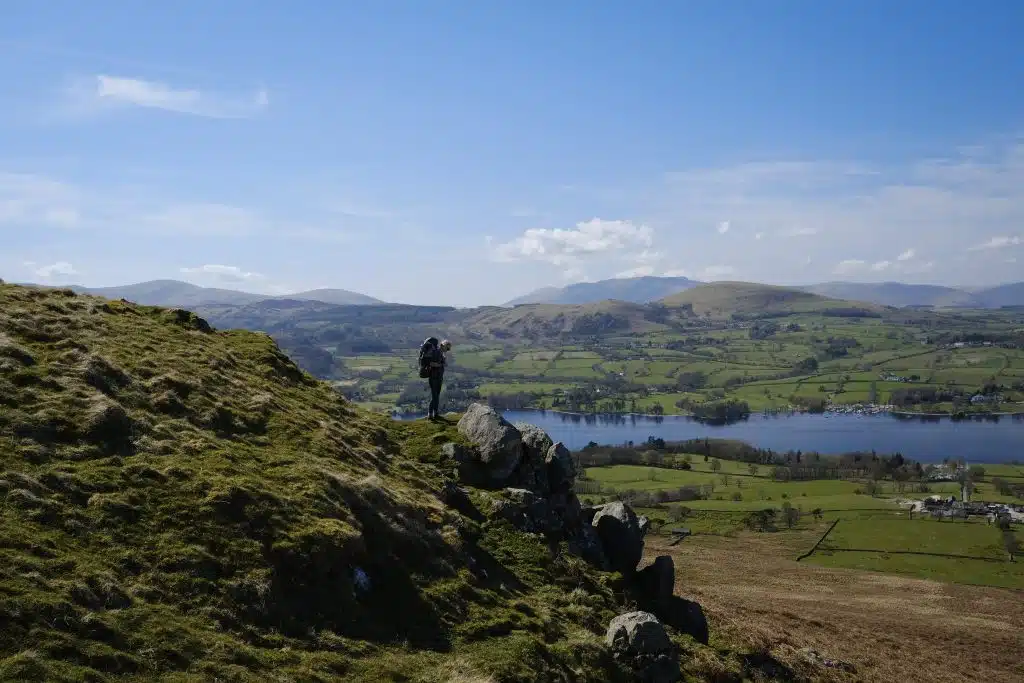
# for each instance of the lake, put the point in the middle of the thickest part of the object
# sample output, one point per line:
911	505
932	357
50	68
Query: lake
991	440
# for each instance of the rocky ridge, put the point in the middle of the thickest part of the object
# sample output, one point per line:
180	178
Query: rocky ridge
533	479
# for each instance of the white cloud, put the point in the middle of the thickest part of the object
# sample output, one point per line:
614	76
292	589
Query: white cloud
723	227
800	232
849	266
104	91
854	208
595	241
227	273
997	243
47	272
716	272
758	235
880	265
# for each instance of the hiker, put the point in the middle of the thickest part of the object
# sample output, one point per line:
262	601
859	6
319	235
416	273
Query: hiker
432	362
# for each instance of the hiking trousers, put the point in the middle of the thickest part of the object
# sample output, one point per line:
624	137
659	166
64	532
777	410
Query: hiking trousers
435	380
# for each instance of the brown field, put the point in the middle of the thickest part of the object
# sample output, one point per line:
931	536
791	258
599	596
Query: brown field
890	628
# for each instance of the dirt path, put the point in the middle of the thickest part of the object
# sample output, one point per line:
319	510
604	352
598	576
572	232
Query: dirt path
890	628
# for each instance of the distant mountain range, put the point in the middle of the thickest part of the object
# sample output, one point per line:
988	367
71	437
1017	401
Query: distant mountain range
900	294
637	290
647	289
174	293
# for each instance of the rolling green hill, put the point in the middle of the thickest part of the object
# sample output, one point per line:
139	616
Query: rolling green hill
633	289
182	504
553	320
722	299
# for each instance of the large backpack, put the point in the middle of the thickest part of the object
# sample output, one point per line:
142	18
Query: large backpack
426	354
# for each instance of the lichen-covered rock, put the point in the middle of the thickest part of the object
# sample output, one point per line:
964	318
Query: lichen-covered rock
621	539
499	444
534	437
639	640
525	510
561	470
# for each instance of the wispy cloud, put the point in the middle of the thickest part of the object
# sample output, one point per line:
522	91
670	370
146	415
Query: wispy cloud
47	272
34	204
723	227
880	265
997	243
852	210
102	91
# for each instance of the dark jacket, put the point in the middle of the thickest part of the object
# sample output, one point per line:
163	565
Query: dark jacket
436	361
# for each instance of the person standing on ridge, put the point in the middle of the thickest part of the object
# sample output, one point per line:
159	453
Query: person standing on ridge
432	364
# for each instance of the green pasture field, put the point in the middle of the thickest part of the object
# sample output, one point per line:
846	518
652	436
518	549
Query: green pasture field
958	551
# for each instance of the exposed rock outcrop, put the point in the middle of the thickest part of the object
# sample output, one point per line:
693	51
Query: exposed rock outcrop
537	477
639	640
561	470
499	444
618	527
532	472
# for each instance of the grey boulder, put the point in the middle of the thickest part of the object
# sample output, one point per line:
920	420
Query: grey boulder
499	444
639	640
621	538
561	469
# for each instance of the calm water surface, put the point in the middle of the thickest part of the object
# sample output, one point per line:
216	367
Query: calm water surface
927	440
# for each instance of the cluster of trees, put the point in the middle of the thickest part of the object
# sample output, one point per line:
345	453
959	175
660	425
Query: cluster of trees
838	347
1007	488
599	323
721	412
763	330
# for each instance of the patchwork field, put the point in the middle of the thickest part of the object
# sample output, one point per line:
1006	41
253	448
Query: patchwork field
874	532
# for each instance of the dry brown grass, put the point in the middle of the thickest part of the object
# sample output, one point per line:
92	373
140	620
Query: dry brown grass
890	628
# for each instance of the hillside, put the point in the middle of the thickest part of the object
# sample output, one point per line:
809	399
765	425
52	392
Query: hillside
638	290
723	299
1003	295
552	320
896	294
174	293
171	293
339	297
185	504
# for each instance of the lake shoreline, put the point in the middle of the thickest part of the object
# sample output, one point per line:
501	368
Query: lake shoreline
927	439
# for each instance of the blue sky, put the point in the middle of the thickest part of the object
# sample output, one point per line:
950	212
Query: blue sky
464	153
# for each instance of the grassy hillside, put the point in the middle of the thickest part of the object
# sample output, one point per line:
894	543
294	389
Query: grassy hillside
184	504
551	320
634	289
722	299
